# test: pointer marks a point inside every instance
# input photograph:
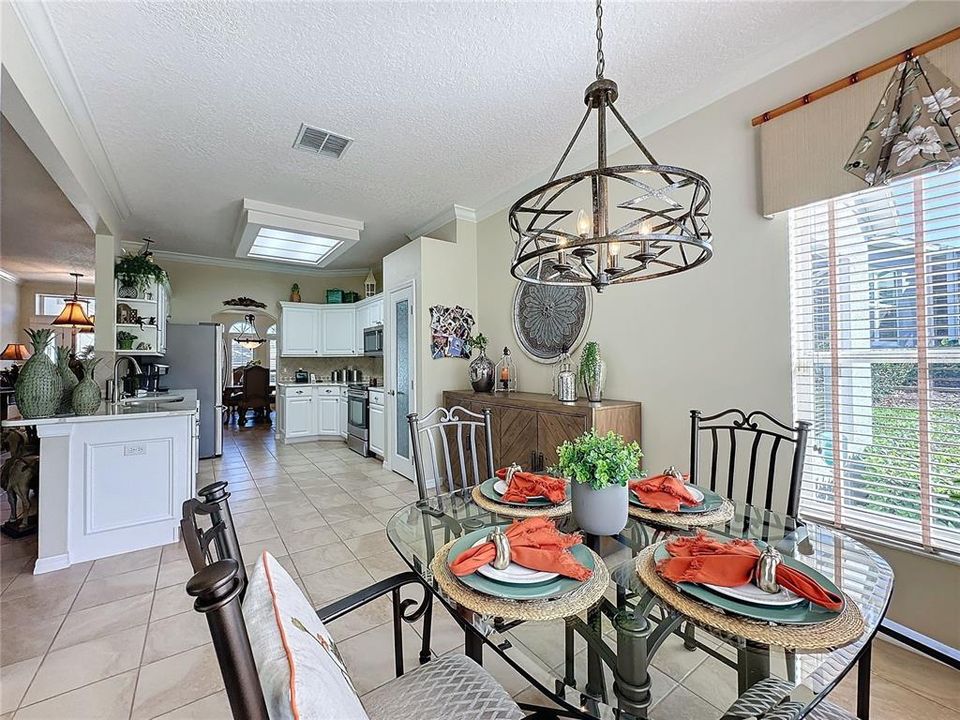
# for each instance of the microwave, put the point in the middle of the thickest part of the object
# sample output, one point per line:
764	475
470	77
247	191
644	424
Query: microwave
373	340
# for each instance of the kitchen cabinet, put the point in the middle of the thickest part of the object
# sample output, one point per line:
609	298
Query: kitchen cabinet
329	415
528	427
300	327
299	416
338	329
377	435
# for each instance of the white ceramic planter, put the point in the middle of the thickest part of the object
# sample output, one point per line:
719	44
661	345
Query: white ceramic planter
600	512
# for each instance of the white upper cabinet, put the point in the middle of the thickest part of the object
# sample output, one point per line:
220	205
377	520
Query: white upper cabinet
339	330
300	328
312	330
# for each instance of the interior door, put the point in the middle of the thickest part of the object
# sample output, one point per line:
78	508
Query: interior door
402	364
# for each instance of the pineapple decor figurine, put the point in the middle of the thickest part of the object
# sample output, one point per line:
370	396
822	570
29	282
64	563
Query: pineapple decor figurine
39	387
86	395
68	378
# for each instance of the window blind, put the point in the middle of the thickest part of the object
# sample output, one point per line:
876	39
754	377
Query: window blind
875	284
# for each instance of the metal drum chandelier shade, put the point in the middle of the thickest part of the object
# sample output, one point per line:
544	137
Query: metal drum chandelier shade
644	221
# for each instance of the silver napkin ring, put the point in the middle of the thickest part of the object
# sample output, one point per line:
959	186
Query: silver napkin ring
501	544
765	571
511	471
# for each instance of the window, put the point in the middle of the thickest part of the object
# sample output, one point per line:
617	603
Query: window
272	339
876	342
51	305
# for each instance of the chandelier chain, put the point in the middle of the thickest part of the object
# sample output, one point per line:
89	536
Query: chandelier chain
600	60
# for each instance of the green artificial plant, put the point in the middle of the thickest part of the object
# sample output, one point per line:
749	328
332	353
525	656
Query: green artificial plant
139	271
599	460
479	341
589	360
125	340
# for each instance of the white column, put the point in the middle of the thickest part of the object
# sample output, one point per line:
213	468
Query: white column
54	491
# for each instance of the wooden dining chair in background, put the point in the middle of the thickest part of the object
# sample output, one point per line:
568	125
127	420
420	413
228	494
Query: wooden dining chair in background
256	392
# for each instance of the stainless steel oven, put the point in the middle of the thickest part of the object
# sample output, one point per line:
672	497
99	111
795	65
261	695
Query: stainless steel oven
373	340
358	419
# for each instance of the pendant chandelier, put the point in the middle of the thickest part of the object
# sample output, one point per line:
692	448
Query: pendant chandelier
73	314
248	338
644	221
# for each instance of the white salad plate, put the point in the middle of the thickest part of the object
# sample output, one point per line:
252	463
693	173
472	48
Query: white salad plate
748	592
515	574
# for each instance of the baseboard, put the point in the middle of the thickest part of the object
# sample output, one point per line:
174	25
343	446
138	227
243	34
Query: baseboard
49	564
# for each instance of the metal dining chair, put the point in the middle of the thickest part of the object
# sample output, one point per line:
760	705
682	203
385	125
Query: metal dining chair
457	458
768	442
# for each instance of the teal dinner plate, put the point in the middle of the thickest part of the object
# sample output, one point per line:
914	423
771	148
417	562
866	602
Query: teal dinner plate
486	489
540	591
711	501
803	613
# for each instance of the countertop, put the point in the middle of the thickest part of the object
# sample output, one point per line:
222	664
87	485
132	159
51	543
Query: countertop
324	384
121	411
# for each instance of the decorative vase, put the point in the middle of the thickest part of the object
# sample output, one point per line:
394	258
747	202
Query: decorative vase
86	395
600	512
68	378
39	387
127	291
593	380
481	373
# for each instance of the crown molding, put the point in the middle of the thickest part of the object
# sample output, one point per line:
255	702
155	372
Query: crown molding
846	21
238	264
36	22
454	212
9	277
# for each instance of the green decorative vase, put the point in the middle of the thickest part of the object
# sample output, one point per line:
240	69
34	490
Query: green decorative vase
39	388
86	395
69	379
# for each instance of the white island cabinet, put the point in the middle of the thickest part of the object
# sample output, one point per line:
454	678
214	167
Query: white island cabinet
115	481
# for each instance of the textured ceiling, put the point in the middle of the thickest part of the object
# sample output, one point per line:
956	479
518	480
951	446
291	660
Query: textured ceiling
197	104
42	236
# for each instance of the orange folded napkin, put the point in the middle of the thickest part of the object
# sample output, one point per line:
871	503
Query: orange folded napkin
662	492
703	559
535	543
525	485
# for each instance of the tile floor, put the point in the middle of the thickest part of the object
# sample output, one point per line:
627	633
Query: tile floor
117	638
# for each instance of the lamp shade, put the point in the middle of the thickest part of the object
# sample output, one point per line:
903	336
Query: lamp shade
73	316
15	351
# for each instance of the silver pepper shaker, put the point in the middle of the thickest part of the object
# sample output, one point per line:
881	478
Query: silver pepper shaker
765	572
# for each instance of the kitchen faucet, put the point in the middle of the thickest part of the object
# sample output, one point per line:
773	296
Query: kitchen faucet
115	391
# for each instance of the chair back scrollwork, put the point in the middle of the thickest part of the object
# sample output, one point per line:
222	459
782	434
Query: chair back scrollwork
749	455
448	450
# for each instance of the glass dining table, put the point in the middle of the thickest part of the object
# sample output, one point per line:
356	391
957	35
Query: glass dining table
632	655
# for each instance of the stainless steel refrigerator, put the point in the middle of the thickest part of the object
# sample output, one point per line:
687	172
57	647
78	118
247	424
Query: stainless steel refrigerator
196	355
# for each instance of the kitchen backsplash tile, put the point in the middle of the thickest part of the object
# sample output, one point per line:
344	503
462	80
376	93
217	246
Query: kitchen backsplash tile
372	367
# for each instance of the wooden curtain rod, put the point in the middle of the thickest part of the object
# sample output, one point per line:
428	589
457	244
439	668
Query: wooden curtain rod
856	77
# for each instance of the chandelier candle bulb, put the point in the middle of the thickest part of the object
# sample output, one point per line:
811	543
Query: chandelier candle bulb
583	224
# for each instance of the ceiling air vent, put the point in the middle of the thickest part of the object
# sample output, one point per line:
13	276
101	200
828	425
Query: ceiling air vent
321	142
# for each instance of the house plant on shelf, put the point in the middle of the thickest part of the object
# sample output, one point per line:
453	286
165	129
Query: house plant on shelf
125	340
481	369
136	272
599	467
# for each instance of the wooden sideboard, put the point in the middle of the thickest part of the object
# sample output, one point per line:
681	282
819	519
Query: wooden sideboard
528	427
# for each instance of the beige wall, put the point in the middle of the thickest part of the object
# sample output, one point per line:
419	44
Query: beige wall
198	291
719	336
9	313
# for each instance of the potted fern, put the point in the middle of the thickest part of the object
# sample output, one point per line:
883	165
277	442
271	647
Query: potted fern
136	273
599	467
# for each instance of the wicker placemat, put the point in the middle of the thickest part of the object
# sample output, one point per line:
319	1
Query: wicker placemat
576	601
684	520
845	628
517	511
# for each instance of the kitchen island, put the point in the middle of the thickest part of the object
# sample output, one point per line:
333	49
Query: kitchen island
114	481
